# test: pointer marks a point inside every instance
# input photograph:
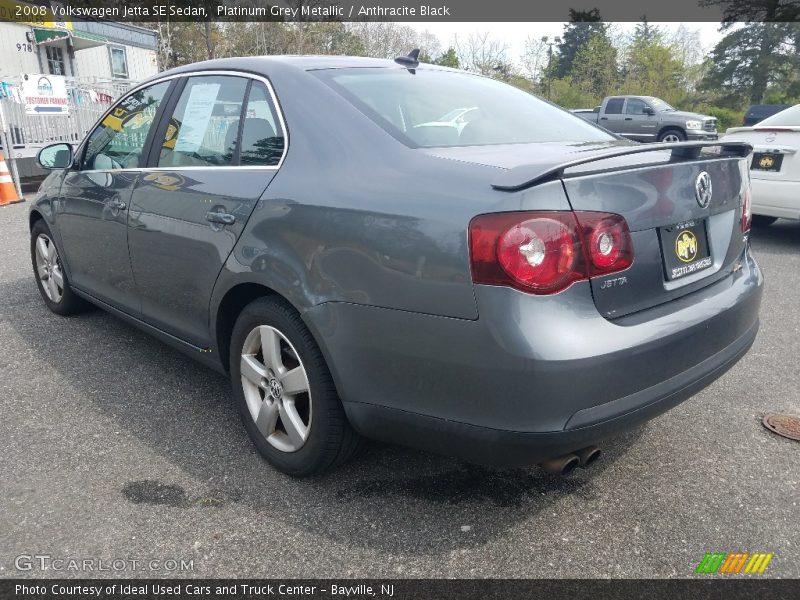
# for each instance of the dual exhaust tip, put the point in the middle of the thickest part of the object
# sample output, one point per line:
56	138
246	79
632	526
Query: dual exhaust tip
563	465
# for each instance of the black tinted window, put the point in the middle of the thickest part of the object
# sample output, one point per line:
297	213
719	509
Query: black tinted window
442	108
614	106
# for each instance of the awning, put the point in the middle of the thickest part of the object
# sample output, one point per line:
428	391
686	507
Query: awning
83	39
80	40
49	36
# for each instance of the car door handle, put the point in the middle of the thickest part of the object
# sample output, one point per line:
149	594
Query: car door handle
221	218
117	204
604	118
629	118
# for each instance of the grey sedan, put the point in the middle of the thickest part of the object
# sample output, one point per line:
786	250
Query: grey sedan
509	290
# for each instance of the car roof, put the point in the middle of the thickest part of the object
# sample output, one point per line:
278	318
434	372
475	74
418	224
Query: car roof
313	62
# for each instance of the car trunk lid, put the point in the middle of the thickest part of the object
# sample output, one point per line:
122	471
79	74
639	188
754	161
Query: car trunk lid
686	233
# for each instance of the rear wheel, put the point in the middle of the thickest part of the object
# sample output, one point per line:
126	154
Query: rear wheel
51	279
672	135
763	220
286	396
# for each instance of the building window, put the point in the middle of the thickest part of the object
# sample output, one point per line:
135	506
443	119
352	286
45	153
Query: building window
119	63
55	60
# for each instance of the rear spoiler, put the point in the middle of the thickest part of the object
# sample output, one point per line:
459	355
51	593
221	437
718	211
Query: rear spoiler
531	174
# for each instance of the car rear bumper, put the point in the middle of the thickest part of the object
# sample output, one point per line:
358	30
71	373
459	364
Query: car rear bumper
534	379
776	198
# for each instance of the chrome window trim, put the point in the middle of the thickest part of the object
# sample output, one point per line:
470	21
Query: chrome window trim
229	73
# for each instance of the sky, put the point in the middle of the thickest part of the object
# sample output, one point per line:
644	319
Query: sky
515	34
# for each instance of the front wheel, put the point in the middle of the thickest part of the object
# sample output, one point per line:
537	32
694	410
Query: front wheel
286	396
672	135
48	268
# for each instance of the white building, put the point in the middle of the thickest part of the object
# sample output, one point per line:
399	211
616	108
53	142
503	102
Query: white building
84	50
99	61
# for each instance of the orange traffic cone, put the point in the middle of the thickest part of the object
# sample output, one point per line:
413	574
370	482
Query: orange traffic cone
8	192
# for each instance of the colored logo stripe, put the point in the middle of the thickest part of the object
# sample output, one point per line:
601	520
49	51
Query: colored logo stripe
732	563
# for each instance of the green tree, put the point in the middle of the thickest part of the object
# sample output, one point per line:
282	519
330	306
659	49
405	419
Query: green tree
582	27
750	60
653	67
448	59
595	68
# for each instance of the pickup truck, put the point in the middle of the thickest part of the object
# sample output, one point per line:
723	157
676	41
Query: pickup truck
649	119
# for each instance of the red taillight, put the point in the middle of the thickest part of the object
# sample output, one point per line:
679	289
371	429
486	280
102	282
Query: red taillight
747	216
608	242
545	252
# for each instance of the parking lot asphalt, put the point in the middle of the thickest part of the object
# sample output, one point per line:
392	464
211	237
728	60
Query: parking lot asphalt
114	446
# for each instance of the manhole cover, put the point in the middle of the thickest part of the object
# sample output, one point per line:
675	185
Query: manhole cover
786	425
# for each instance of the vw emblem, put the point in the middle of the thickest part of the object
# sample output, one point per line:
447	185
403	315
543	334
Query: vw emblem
702	189
275	388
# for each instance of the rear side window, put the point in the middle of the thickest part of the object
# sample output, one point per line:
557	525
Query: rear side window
119	140
441	108
203	129
789	117
262	138
614	106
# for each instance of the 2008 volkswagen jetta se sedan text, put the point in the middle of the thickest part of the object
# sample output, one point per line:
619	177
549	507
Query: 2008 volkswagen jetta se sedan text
403	252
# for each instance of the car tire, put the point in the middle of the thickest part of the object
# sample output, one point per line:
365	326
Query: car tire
763	220
672	135
270	397
51	278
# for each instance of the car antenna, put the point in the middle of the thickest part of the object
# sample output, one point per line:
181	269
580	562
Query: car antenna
410	62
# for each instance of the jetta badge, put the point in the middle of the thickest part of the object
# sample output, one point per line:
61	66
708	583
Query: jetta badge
702	189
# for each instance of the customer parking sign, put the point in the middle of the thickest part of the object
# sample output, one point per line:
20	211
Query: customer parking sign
45	94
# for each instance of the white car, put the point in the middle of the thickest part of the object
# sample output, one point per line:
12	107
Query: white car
775	166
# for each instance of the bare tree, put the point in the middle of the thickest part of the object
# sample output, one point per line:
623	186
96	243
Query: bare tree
481	53
534	58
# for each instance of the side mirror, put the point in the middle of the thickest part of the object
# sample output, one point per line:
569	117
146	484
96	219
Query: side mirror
57	156
648	110
596	109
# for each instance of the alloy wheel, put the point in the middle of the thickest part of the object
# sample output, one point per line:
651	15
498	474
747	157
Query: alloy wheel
671	137
48	268
276	388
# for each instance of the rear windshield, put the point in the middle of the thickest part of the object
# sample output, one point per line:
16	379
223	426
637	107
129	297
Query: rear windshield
432	108
790	117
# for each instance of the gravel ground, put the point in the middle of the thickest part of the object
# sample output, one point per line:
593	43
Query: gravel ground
114	446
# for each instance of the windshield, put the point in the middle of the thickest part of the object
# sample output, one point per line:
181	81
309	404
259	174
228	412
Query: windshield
408	105
658	104
789	117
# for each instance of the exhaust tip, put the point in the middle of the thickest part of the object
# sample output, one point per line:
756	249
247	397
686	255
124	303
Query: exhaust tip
588	456
561	465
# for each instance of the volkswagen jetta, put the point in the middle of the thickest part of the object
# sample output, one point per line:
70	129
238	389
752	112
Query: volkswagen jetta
510	289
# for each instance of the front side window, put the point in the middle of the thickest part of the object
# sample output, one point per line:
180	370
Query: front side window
118	142
119	63
55	60
440	108
205	124
635	106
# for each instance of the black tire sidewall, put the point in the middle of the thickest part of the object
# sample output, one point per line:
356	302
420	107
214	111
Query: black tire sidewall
314	454
681	135
69	303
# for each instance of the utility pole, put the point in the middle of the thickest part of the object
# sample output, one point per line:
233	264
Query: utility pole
546	40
